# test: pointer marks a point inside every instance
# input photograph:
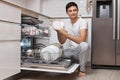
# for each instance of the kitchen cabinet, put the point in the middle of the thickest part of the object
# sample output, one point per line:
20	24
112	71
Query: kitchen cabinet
34	5
10	18
9	58
9	13
9	31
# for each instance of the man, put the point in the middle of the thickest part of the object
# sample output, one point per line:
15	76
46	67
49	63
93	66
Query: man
76	36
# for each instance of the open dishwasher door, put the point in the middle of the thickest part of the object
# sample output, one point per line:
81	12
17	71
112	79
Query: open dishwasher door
50	67
68	70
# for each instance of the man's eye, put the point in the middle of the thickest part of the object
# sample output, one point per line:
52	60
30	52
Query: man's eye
74	10
70	10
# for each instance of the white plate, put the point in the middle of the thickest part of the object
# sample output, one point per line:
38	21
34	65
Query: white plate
58	25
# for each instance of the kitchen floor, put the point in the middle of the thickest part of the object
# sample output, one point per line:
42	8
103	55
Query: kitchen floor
92	74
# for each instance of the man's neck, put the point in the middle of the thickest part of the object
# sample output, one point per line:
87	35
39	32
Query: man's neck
74	20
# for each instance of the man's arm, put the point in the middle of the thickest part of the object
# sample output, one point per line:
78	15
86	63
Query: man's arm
78	39
63	36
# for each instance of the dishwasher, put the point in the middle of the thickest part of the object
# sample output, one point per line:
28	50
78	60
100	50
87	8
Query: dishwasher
31	58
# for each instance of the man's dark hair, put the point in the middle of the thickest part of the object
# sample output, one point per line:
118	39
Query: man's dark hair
71	4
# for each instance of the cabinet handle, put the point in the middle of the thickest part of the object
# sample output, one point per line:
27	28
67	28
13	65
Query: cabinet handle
118	20
114	16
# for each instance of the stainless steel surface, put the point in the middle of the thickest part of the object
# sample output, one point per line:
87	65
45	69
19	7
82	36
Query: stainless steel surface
118	53
118	19
118	40
114	18
103	45
106	52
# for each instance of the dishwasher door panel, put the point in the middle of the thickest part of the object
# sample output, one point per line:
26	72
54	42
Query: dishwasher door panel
68	70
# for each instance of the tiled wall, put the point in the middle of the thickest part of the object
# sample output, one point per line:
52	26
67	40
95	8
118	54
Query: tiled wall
83	9
56	8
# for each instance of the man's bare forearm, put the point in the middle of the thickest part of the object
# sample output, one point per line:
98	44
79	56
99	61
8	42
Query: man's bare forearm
61	38
80	38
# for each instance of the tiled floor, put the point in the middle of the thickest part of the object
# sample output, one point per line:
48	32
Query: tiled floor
92	74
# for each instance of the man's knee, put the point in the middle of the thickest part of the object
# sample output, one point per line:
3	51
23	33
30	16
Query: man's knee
84	46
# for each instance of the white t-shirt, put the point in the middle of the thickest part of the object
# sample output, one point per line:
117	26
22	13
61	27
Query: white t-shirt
74	29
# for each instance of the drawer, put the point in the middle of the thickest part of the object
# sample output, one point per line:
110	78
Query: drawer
10	13
10	31
9	58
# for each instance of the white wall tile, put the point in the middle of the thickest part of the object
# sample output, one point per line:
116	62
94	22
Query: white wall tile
56	8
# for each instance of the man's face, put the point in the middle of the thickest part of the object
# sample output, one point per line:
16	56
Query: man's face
72	12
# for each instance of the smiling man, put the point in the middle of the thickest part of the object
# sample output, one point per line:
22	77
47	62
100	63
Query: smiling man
75	34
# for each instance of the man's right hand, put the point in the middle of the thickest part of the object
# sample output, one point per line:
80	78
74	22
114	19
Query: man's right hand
62	32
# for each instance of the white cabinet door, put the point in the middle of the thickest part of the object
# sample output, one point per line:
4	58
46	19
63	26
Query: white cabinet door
9	58
9	13
9	31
